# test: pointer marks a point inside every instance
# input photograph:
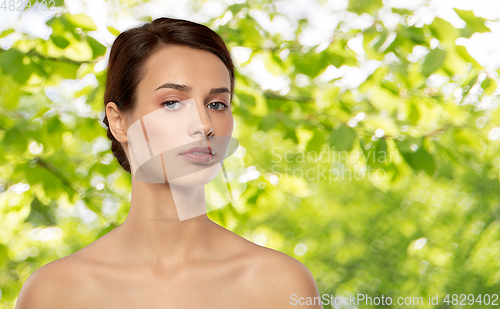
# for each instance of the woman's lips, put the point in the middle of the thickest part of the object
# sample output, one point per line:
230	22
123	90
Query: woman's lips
198	157
199	154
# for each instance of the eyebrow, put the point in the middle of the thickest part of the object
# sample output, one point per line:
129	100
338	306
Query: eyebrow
189	88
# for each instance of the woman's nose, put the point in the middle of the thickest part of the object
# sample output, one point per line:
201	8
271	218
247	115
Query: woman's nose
202	123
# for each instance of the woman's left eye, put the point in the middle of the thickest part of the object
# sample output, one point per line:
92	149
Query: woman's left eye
218	106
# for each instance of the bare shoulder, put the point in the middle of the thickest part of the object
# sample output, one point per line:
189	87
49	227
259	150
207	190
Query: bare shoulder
276	279
284	279
54	285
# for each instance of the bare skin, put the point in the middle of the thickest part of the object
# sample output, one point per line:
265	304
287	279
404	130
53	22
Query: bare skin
154	260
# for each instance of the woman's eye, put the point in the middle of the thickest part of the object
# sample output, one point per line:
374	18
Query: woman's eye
172	105
218	106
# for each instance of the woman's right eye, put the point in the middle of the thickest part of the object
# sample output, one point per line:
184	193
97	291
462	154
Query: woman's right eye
172	105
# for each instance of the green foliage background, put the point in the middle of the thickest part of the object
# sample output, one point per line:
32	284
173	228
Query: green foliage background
430	226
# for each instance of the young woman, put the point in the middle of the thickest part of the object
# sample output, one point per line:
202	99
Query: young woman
156	259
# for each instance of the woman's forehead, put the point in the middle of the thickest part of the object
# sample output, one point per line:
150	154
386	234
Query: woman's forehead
185	65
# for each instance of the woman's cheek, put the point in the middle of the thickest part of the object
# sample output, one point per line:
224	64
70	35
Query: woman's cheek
225	126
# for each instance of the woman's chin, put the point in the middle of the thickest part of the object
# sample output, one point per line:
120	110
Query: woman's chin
198	178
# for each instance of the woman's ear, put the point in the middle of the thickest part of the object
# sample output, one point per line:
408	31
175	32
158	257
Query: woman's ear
116	121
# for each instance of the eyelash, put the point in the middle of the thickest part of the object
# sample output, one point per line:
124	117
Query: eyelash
224	104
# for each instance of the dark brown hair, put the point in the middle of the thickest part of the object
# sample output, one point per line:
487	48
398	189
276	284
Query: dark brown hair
132	49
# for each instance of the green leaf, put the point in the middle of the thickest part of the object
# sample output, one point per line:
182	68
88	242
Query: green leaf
414	114
236	8
473	22
419	160
253	199
269	122
343	138
6	32
470	82
245	98
53	131
92	129
11	61
489	85
377	156
58	25
311	63
9	93
146	19
339	54
97	48
380	40
248	35
446	153
273	63
15	139
469	140
402	11
433	61
60	41
444	31
24	73
291	134
462	51
4	255
65	69
364	6
95	98
40	214
466	32
381	146
316	142
81	20
408	144
372	41
417	35
383	99
114	31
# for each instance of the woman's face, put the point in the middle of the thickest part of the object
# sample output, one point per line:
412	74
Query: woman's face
183	101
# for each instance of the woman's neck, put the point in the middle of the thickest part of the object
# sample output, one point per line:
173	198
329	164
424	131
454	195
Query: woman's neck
167	224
